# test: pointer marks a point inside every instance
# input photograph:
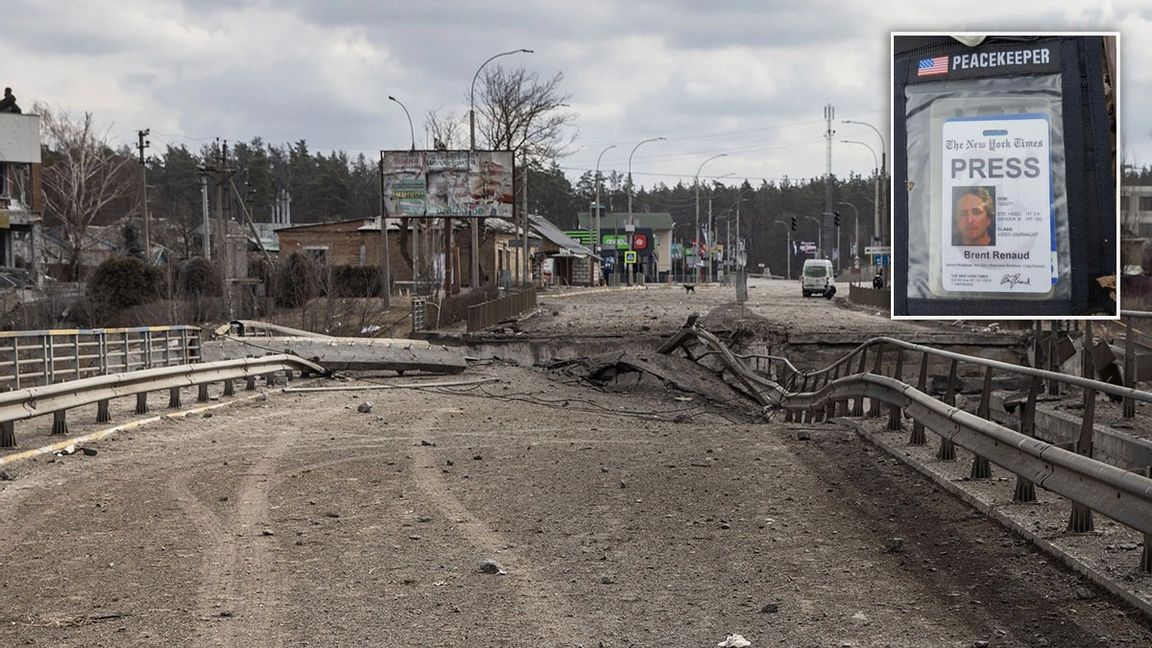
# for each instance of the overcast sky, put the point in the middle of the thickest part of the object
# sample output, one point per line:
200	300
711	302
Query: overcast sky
747	78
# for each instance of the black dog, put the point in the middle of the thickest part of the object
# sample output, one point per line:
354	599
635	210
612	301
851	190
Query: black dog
690	288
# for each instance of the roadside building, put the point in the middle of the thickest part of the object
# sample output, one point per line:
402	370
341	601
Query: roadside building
652	241
567	261
357	242
1136	229
21	199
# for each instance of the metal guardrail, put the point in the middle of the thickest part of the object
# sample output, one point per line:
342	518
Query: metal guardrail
56	399
30	358
490	313
1090	484
865	296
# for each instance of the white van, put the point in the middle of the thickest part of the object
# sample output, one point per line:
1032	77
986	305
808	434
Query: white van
817	278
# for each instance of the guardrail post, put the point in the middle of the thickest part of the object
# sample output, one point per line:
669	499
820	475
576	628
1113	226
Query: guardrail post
804	416
76	353
59	422
819	412
947	450
49	363
16	362
830	408
981	467
895	416
877	368
1129	368
142	403
229	388
250	383
1053	385
174	397
270	379
1081	520
842	404
1146	554
287	376
102	413
7	428
858	403
1025	489
202	393
918	437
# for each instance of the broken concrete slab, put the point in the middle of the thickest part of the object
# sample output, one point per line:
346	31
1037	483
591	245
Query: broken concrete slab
339	353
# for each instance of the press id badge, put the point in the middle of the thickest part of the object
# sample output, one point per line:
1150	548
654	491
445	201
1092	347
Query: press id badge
997	217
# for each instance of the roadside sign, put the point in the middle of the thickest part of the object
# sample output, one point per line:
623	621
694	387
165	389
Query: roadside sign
630	256
878	249
807	246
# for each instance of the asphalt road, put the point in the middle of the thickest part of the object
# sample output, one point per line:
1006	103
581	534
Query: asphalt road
621	518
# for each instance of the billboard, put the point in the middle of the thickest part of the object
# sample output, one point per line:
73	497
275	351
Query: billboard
448	183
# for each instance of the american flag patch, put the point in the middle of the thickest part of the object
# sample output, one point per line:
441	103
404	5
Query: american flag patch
930	66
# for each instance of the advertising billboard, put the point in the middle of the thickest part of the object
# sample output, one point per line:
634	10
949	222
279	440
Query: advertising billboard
448	183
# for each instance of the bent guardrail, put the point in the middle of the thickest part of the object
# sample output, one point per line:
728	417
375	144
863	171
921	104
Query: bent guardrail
57	399
1090	484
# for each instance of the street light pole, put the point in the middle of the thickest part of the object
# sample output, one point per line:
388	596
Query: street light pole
472	95
876	197
411	131
598	247
696	233
856	217
819	236
877	231
631	224
472	148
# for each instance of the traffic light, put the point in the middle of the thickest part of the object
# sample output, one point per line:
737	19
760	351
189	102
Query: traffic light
793	223
837	214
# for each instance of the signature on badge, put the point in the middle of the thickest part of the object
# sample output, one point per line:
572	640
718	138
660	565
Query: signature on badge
1014	280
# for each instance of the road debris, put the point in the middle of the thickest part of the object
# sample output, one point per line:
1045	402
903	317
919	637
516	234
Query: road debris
734	641
492	567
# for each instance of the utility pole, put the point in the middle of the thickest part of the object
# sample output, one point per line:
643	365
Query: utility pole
206	226
140	146
711	241
829	115
386	266
526	276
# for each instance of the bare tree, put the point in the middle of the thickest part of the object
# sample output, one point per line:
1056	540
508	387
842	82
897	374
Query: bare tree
82	176
448	130
518	112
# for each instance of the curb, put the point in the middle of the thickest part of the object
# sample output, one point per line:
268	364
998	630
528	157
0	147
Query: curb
131	425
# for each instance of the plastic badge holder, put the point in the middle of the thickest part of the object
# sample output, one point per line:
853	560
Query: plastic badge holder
992	151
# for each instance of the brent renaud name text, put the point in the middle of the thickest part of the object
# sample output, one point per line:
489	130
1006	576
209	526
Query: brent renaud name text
995	254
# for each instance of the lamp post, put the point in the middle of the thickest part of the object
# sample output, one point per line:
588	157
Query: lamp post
696	232
411	131
876	198
856	218
877	229
819	236
598	247
631	225
471	148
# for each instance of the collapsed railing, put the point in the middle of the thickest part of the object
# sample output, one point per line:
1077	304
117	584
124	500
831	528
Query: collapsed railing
57	399
1090	484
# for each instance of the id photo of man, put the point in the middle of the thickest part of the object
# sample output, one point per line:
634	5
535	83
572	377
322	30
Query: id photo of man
973	216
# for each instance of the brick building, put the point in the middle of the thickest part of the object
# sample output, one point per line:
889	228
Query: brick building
357	242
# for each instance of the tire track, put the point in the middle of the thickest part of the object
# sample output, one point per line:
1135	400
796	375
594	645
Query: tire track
544	605
241	593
